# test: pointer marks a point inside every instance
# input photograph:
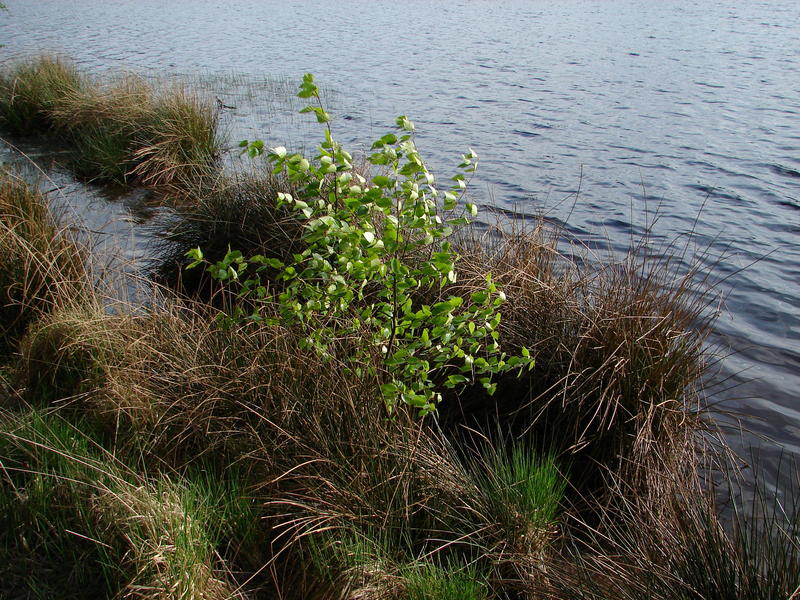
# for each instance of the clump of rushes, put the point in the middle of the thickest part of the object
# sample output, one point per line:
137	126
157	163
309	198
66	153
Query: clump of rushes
179	146
239	211
31	91
171	387
428	581
123	133
103	124
523	493
675	545
49	469
41	264
70	353
77	515
619	349
357	565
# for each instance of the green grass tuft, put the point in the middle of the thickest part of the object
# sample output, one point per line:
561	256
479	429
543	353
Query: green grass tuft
523	491
74	511
427	581
30	92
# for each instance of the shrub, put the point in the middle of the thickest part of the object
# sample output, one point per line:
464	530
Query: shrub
353	288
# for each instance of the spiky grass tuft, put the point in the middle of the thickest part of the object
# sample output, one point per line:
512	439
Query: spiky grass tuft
31	91
123	132
41	263
178	148
427	581
75	505
523	493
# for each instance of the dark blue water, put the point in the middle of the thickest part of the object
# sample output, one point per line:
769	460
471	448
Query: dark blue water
686	113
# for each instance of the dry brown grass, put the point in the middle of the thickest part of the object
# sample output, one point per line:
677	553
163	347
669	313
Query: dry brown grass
123	132
41	263
619	349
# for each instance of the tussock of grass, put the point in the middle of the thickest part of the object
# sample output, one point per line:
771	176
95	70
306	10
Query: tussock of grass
238	212
179	147
523	492
142	378
111	531
431	582
70	353
674	545
44	545
31	91
103	124
124	132
618	347
40	261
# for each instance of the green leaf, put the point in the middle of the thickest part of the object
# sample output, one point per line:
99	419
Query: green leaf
307	88
454	380
383	181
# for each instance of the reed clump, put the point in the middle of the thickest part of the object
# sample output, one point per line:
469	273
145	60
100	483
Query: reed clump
30	91
239	211
619	349
41	261
124	132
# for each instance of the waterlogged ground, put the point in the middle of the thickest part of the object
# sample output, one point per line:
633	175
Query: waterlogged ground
610	117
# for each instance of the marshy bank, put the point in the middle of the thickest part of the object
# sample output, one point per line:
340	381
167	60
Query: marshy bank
156	454
122	132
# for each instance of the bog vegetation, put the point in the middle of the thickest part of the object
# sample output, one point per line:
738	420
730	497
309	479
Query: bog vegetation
351	395
122	132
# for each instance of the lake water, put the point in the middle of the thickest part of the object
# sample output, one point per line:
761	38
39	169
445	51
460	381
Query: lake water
602	114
